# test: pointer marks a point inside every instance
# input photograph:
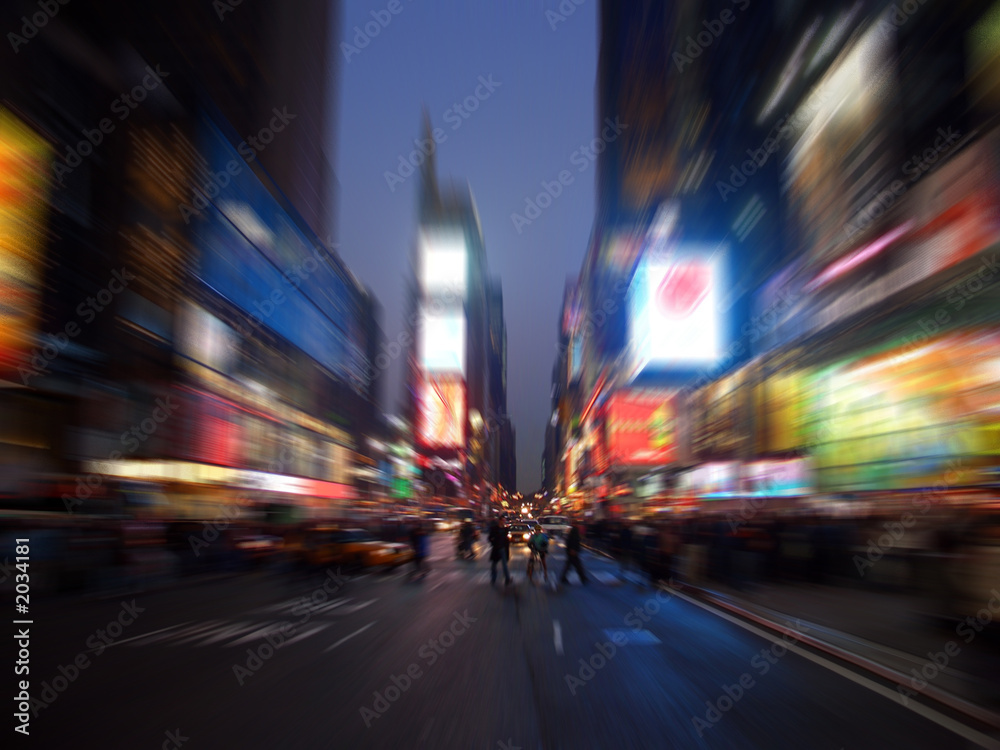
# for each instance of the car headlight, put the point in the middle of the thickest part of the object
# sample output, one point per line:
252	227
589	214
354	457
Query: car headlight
526	536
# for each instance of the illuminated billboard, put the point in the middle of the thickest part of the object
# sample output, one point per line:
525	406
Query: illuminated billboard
442	412
673	317
444	263
24	168
641	428
442	342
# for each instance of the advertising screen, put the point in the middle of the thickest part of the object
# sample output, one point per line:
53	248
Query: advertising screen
713	481
778	478
24	166
253	253
673	312
443	263
912	417
442	412
641	428
442	342
576	358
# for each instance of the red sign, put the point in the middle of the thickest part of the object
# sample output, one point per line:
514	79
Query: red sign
683	288
642	428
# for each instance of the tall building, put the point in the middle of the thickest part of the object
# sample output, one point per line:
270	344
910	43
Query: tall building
186	188
770	228
456	378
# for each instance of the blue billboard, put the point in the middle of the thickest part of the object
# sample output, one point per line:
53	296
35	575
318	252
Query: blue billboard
253	253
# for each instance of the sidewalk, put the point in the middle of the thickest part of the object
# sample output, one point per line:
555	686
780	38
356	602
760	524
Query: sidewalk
888	634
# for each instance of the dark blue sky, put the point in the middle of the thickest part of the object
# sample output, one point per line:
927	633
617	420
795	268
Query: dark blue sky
431	54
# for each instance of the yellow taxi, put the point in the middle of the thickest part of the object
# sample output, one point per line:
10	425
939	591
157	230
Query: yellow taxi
354	548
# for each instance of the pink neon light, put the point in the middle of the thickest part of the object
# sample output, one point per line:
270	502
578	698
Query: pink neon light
858	257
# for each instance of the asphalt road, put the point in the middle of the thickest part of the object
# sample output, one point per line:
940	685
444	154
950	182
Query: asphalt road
446	661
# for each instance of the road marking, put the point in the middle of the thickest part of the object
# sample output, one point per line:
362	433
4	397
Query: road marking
356	607
306	634
332	605
259	633
938	718
233	630
609	579
194	634
557	636
145	635
439	583
348	637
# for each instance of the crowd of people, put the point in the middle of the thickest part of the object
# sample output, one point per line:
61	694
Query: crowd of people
933	555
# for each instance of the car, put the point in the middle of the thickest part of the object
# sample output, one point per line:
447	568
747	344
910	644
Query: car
520	533
441	524
355	548
555	526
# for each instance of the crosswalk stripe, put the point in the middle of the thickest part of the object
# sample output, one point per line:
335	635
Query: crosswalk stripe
199	633
195	628
348	637
146	635
356	607
306	634
258	634
227	632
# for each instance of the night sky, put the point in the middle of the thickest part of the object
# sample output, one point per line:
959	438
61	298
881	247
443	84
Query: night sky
431	54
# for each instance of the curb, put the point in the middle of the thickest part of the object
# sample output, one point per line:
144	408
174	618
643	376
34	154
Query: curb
939	695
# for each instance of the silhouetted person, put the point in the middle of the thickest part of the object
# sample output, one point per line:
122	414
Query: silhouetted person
573	554
499	551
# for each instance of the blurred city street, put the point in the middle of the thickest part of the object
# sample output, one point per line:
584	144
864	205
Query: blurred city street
560	374
460	663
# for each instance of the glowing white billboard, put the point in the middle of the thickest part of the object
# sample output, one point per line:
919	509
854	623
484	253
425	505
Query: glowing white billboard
444	263
442	341
673	312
